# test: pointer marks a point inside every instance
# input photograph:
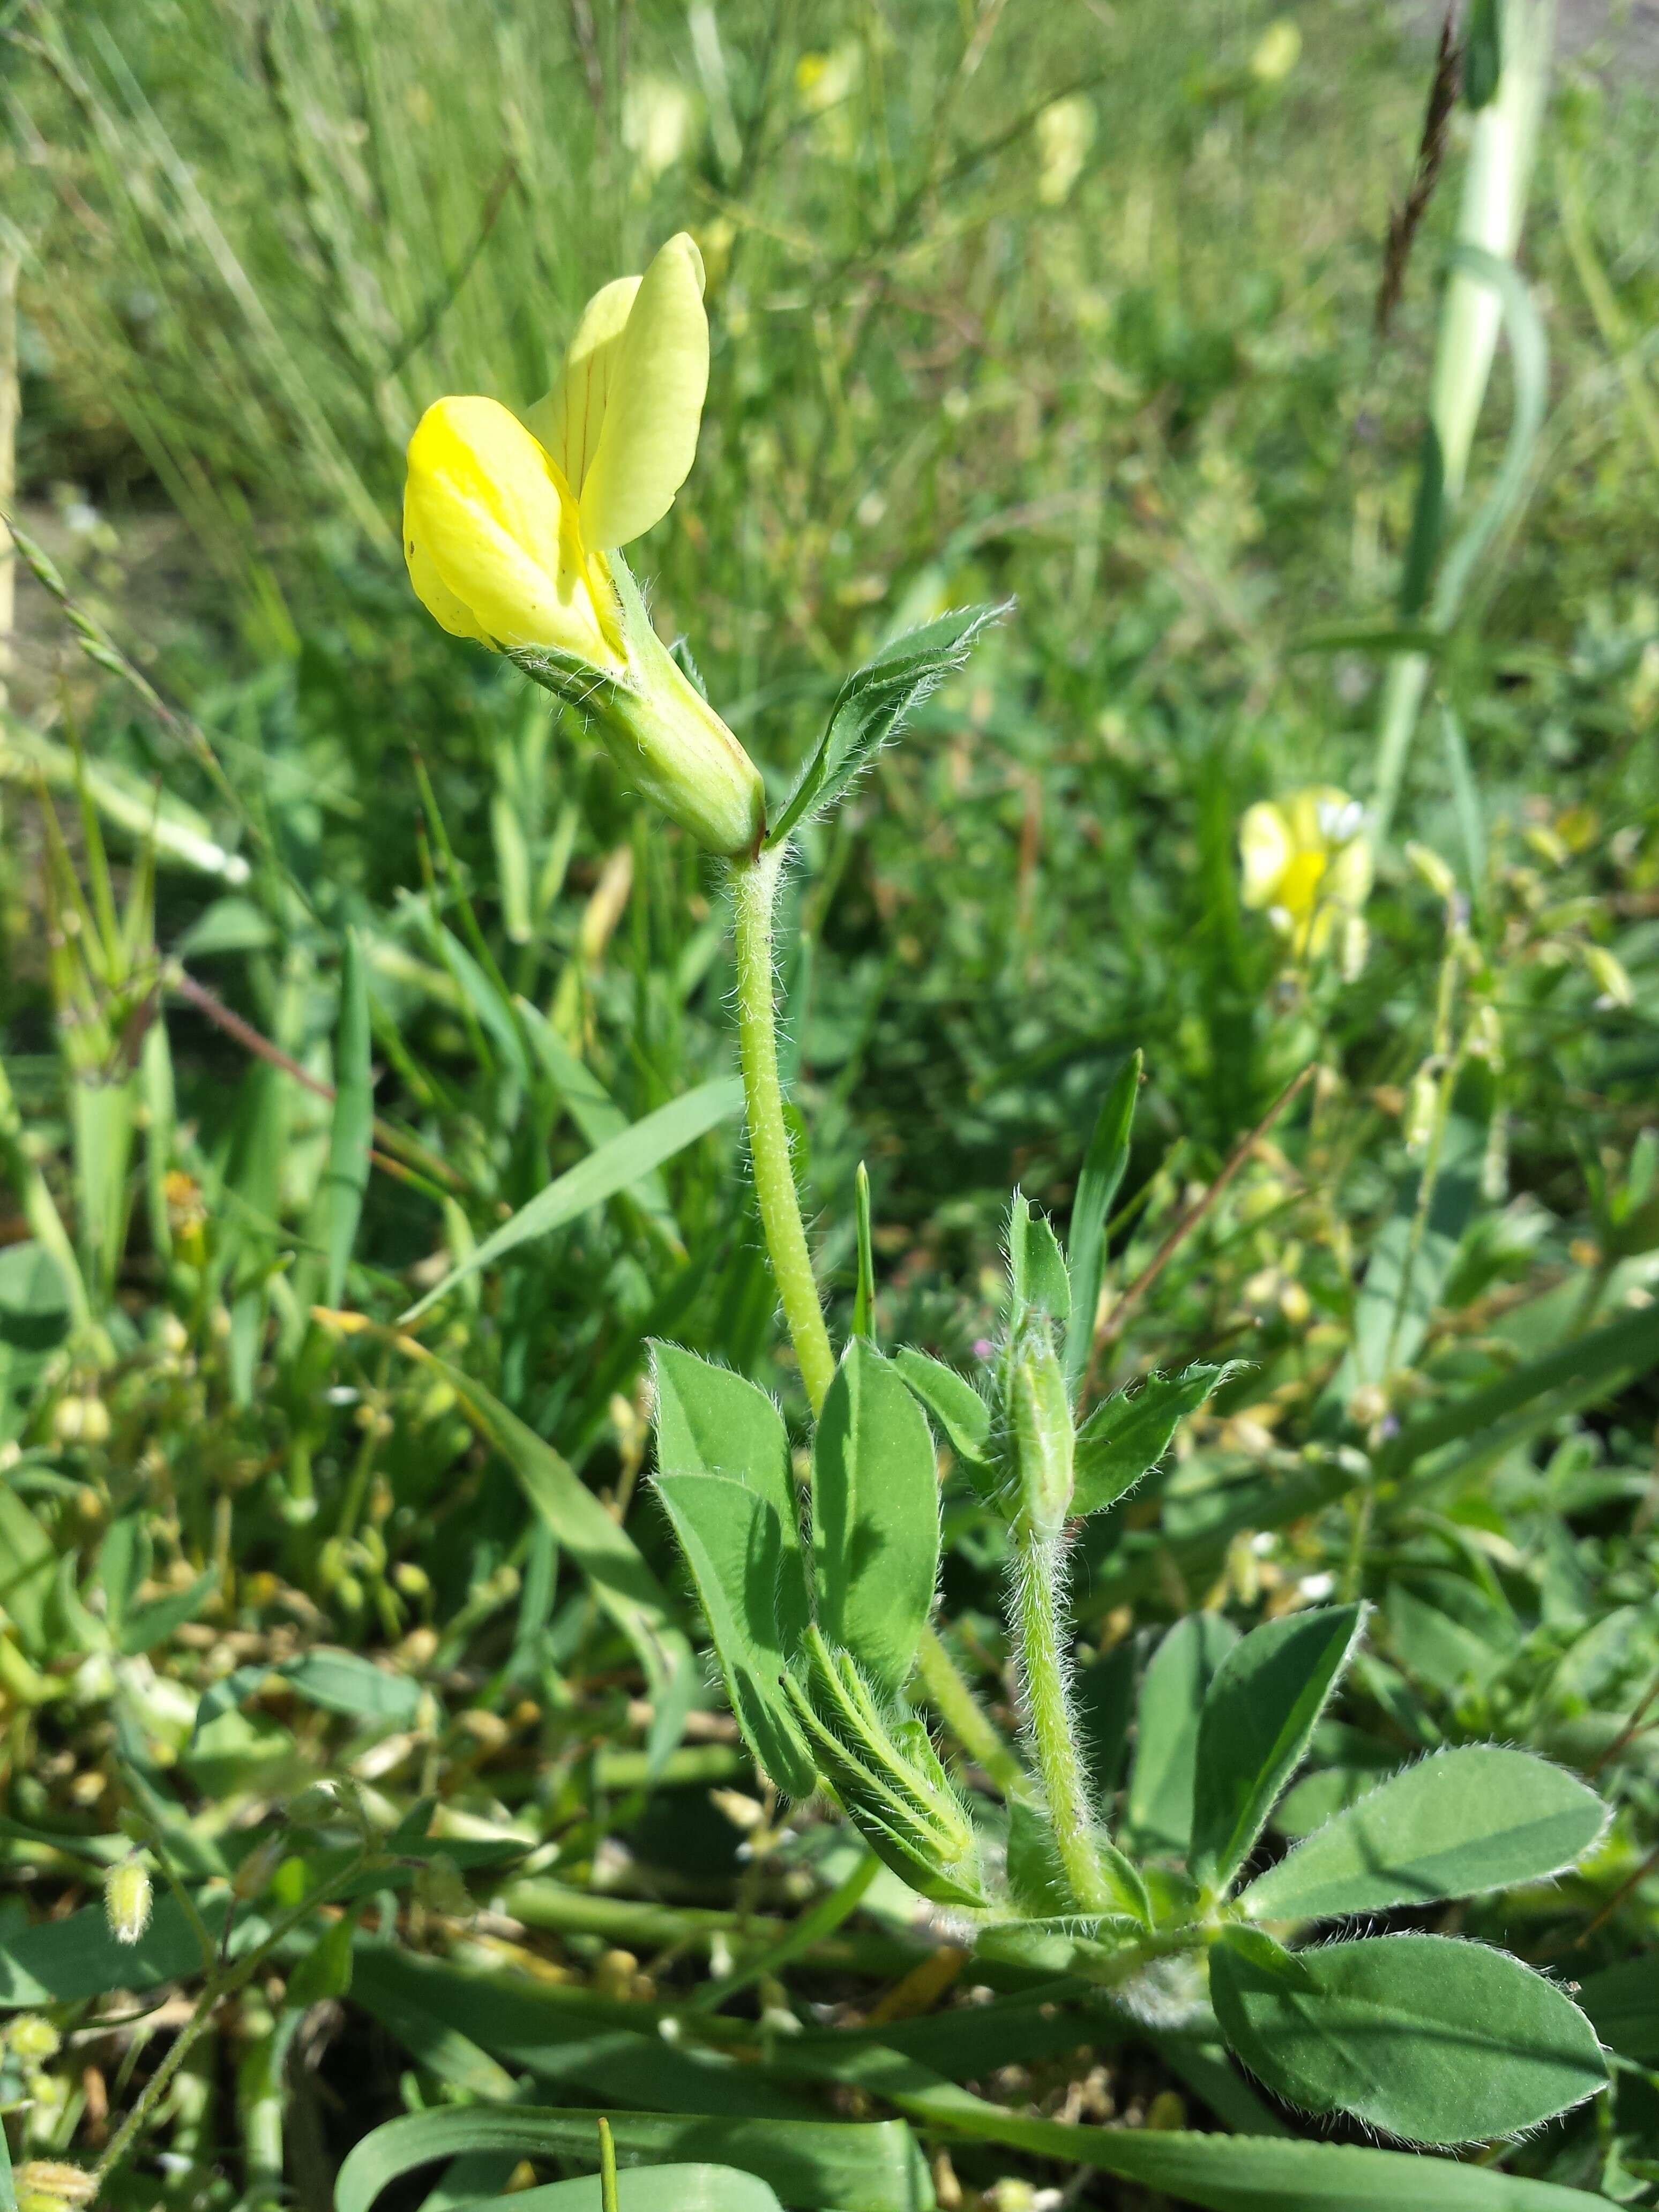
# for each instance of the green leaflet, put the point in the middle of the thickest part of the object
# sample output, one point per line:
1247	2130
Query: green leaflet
336	1681
1259	1714
645	2188
710	1421
953	1401
754	1601
622	1161
1103	1164
1459	1822
872	705
1431	2039
1129	1432
873	2167
875	1517
1160	1801
28	1563
726	1482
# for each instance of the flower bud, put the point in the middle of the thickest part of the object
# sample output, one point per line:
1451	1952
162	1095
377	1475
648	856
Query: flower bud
32	2038
127	1897
888	1777
1039	1431
49	2185
1611	977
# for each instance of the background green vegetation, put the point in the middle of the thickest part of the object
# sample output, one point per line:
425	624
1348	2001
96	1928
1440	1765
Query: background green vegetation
1147	400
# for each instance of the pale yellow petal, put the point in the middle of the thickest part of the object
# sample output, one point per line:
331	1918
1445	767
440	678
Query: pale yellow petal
430	589
1264	849
567	420
653	403
489	514
1349	881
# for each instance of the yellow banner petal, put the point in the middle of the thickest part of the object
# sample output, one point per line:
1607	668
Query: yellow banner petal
658	377
567	420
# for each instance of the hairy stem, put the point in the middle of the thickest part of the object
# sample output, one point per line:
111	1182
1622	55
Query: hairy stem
754	884
1043	1665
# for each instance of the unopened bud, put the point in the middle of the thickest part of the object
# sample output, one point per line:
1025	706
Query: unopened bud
127	1897
888	1777
1611	977
1354	949
56	2179
1422	1101
33	2039
1039	1413
1432	869
439	1887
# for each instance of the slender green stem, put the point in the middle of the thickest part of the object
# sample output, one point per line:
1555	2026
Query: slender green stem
754	890
956	1706
228	1980
1048	1716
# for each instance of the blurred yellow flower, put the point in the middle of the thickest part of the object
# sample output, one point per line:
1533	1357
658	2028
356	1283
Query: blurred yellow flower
510	528
1307	860
1065	132
1276	52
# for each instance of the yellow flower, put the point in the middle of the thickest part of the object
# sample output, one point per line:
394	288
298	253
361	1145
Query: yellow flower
1065	132
513	532
1308	861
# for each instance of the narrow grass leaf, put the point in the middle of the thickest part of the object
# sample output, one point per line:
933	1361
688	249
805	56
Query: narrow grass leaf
1103	1165
352	1131
1223	2173
616	1164
646	2189
864	2167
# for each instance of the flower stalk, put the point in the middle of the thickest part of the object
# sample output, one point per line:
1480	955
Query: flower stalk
755	887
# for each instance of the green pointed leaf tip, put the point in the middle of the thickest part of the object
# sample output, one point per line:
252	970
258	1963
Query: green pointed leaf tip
875	1517
1259	1716
888	1777
1429	2038
1104	1166
1454	1824
1037	1265
1127	1434
872	707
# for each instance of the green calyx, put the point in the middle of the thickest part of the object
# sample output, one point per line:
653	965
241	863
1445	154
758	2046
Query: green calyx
1040	1436
888	1777
662	734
